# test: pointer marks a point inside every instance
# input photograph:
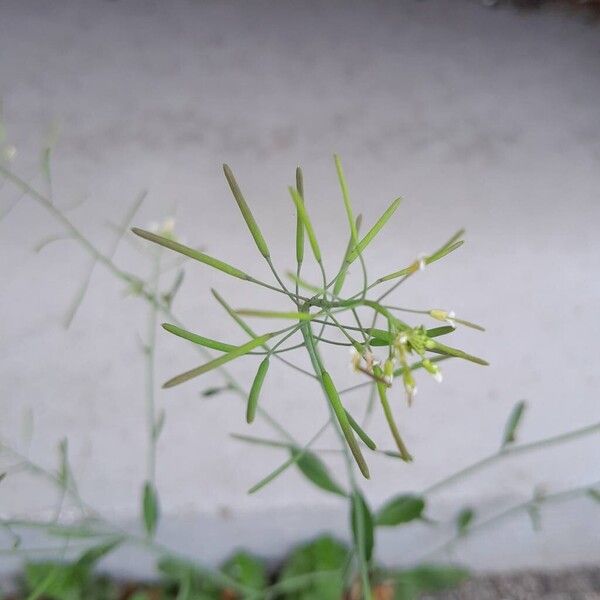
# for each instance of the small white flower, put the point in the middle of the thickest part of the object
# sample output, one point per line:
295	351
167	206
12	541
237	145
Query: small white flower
450	318
438	376
168	225
421	261
354	359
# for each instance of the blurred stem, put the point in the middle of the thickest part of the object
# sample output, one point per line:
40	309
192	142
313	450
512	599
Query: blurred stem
512	451
130	279
512	511
150	352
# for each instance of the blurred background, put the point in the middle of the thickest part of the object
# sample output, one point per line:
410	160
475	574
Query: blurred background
483	117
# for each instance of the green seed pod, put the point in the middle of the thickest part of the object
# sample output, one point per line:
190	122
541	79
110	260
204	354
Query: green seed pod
340	413
246	212
299	223
215	263
255	390
389	417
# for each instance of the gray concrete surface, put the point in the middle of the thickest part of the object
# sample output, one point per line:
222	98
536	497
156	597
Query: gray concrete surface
487	119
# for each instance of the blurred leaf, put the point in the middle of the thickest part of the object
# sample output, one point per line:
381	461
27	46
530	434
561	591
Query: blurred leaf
412	583
247	570
188	579
213	391
150	508
92	555
401	509
512	425
324	556
59	581
464	519
594	494
361	521
315	471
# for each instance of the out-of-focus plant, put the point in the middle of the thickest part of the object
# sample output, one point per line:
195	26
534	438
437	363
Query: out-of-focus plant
319	314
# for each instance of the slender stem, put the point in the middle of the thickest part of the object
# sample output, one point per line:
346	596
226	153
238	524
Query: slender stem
292	297
26	189
512	451
318	367
150	352
511	511
95	520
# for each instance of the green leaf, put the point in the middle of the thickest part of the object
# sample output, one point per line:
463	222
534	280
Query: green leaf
247	570
401	509
342	417
198	339
217	362
412	583
594	494
60	581
314	470
150	508
512	425
464	520
303	216
368	238
255	390
324	556
299	223
92	555
213	391
195	254
361	521
246	212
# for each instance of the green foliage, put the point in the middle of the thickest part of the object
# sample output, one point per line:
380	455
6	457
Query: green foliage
325	558
71	581
464	520
512	425
317	570
150	508
362	525
399	510
412	583
314	469
247	570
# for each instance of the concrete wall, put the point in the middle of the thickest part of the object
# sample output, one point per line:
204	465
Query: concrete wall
487	119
